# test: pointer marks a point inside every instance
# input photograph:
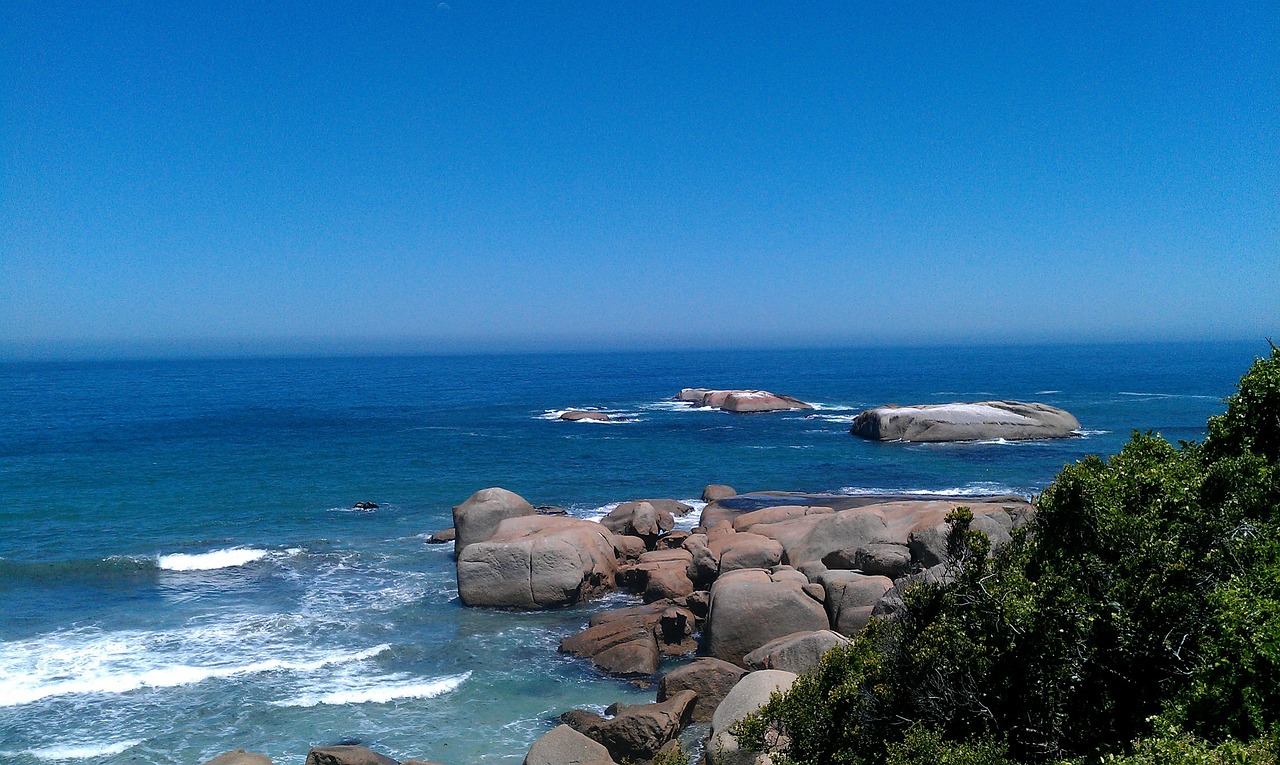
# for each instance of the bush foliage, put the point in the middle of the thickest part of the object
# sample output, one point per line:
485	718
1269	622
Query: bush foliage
1136	621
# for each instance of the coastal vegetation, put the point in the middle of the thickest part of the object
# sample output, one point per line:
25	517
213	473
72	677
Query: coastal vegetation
1135	622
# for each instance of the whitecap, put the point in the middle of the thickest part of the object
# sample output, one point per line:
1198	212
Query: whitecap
214	559
1086	432
82	752
977	489
1047	392
381	691
842	418
821	407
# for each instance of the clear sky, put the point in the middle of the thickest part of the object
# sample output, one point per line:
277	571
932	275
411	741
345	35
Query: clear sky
401	176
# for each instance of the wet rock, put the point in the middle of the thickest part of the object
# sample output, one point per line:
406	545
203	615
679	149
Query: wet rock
443	536
365	506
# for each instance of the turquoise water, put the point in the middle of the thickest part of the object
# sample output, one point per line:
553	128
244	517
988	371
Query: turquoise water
181	572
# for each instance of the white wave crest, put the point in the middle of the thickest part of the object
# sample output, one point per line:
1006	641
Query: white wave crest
821	407
381	691
214	559
1086	432
64	752
979	489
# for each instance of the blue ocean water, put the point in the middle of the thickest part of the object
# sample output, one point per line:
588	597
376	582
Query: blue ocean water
181	571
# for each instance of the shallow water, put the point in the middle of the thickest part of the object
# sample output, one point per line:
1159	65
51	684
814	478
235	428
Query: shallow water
181	571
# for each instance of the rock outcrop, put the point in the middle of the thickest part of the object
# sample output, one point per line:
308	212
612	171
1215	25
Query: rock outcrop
476	519
537	561
978	420
742	401
574	415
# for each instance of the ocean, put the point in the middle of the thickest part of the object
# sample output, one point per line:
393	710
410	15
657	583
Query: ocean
182	571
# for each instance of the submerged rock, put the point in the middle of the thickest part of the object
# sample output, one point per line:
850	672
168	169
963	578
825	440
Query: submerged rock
347	755
239	757
566	746
974	421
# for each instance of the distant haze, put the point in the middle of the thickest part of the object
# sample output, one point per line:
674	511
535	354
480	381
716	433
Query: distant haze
227	178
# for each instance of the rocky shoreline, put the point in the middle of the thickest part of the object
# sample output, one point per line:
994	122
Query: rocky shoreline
764	585
729	612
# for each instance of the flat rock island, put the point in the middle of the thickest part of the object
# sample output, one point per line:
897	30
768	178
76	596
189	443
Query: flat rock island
973	421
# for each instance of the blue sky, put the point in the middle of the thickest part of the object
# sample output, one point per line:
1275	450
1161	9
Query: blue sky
403	176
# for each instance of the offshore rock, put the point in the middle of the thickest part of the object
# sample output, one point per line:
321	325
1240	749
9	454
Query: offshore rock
740	400
575	415
978	420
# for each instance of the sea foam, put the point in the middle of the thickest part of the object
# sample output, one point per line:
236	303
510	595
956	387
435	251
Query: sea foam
381	691
214	559
82	662
81	752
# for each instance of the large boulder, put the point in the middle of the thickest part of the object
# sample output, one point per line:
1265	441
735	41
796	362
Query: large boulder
978	420
575	415
736	551
630	642
639	519
748	609
239	757
637	732
476	519
891	560
347	755
715	491
798	652
566	746
851	598
537	561
751	693
711	679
